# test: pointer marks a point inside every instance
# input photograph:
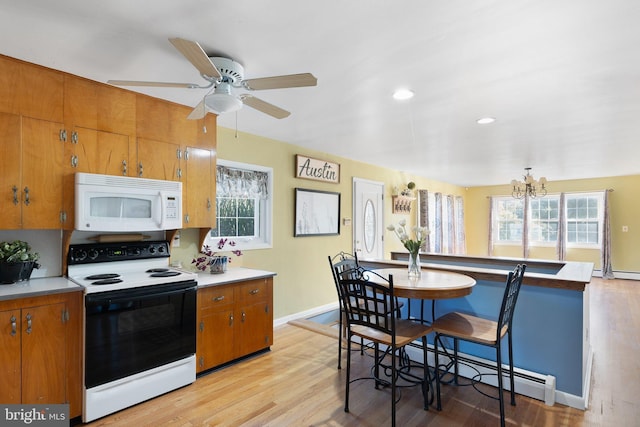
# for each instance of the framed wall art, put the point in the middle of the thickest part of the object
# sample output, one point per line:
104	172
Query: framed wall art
317	213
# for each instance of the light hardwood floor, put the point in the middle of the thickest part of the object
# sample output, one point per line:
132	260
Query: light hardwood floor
297	384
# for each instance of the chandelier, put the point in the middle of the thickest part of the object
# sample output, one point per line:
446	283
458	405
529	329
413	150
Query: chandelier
529	187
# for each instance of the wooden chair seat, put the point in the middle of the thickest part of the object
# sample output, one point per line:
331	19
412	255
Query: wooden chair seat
407	331
469	328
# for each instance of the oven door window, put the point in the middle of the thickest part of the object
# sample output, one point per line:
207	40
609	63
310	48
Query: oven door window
131	331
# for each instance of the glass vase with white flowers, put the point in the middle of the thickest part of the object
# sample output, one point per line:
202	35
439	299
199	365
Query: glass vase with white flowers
411	245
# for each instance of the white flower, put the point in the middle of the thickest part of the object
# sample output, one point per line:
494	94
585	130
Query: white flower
402	222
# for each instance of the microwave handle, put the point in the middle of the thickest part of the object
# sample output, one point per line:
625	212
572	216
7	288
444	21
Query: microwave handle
162	210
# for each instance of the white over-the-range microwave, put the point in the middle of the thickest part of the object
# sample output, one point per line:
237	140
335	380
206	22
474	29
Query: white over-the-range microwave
126	204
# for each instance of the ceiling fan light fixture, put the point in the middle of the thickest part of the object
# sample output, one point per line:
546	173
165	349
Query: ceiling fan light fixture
222	101
485	120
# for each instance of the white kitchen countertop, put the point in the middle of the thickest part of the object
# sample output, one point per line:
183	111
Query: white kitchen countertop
36	287
232	275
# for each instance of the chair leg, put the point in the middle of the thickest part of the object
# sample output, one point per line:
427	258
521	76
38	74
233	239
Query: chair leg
500	385
455	361
376	364
513	385
346	393
437	373
425	379
393	386
340	332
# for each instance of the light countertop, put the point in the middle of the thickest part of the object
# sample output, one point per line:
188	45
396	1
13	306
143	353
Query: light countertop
36	287
232	275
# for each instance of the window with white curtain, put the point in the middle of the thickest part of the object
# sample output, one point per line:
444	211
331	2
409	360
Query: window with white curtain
584	219
244	200
444	216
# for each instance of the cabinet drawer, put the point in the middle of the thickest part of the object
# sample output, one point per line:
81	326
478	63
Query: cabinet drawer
253	291
215	298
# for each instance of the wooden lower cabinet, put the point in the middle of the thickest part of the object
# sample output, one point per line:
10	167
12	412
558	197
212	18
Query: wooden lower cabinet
40	361
234	320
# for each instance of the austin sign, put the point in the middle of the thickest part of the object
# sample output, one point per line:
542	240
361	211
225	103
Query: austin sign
318	170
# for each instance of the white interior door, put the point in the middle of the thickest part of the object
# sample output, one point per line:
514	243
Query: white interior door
368	221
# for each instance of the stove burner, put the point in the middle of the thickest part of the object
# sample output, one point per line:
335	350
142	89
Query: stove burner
107	281
165	273
157	270
102	276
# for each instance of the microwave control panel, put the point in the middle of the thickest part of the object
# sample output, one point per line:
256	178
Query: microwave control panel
171	208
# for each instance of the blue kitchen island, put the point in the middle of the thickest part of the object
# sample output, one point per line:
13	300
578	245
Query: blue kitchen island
552	352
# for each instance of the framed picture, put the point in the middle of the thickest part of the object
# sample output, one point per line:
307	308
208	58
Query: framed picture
317	213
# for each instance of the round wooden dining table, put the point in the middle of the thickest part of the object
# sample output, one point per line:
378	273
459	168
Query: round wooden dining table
432	284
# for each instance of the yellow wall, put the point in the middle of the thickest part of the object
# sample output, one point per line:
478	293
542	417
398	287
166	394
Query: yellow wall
625	210
304	278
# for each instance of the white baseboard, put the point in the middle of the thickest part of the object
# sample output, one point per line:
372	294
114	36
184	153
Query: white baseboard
629	275
305	314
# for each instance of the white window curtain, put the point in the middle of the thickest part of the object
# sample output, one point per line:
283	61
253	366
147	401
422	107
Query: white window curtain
241	183
605	251
460	242
525	228
491	225
437	231
561	245
423	217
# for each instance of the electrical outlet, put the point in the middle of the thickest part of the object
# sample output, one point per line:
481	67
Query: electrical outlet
176	240
625	228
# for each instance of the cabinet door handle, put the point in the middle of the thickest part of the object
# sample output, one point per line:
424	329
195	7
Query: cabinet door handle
218	299
231	320
140	169
124	168
254	291
208	203
15	195
14	326
28	323
244	316
26	196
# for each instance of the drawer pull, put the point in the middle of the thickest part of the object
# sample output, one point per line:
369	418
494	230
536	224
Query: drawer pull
218	299
14	326
254	291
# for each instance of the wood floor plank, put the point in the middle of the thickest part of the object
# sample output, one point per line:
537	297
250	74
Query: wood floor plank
297	384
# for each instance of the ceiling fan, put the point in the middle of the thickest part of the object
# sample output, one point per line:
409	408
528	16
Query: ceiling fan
226	76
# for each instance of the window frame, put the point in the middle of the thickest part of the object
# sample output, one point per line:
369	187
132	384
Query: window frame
265	240
600	200
495	231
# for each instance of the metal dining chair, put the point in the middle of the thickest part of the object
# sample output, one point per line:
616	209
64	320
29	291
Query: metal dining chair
479	330
342	263
370	314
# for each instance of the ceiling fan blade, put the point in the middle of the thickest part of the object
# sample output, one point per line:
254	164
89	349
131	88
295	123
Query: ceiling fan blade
264	107
155	84
280	82
197	56
198	112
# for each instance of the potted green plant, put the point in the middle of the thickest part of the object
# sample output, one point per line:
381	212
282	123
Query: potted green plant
17	261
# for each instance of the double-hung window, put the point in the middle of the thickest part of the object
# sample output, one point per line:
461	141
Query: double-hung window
508	219
545	220
584	219
244	195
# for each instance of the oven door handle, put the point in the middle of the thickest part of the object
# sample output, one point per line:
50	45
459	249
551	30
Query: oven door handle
129	295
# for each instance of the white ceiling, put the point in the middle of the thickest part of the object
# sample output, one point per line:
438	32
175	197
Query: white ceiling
560	76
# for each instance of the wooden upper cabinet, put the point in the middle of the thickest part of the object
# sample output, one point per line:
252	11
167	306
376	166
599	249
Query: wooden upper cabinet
9	79
97	106
158	160
198	188
40	92
11	176
42	173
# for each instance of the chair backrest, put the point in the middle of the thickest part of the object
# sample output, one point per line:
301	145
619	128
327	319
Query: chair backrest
341	263
367	302
511	292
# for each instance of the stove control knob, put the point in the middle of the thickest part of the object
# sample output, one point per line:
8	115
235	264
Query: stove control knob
152	250
93	254
161	249
79	255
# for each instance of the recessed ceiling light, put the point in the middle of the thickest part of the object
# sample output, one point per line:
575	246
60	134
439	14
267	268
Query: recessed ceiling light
402	94
485	120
